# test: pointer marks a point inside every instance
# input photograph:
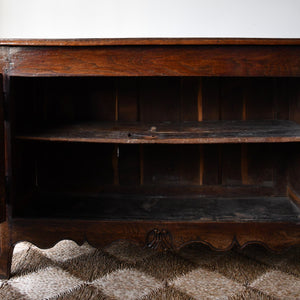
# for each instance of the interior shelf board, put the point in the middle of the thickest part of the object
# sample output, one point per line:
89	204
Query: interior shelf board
175	208
205	132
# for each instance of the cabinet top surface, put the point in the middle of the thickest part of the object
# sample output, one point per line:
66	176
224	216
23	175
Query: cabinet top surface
148	41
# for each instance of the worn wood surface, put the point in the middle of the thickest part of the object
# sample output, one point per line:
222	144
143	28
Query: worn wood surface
6	250
2	154
294	163
149	41
56	100
205	132
181	207
156	61
221	236
234	101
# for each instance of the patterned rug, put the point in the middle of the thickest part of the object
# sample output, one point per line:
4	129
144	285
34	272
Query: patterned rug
125	271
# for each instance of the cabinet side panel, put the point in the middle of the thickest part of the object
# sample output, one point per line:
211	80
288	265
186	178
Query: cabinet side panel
294	166
2	155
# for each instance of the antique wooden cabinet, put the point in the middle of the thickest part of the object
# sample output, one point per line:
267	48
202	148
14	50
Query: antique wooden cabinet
159	141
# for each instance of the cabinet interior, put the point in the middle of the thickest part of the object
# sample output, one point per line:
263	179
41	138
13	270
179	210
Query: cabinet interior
129	148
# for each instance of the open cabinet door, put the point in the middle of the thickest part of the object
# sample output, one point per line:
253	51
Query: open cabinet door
2	155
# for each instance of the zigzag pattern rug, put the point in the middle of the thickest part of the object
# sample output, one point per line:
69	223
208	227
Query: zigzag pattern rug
124	271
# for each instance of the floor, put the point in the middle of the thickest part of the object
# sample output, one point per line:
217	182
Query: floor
123	270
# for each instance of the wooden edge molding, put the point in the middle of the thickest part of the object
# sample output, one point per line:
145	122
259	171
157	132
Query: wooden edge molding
149	41
159	235
293	195
160	245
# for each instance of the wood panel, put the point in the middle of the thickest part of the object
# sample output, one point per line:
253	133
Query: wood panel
294	162
205	132
221	236
181	207
127	96
148	41
231	108
212	163
259	105
191	156
63	165
189	90
281	96
102	99
128	99
159	100
156	61
2	154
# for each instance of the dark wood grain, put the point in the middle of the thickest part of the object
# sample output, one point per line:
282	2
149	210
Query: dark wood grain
148	41
6	250
2	156
156	61
180	207
206	132
84	121
294	162
220	236
4	59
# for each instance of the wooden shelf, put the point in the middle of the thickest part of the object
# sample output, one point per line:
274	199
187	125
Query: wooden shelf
206	132
172	208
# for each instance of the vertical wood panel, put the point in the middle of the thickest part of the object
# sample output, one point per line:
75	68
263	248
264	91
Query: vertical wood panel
200	118
281	94
116	151
171	165
170	99
76	99
294	163
128	99
2	155
160	101
65	167
211	111
231	103
191	160
260	99
189	99
261	163
102	101
294	99
129	155
260	106
281	98
211	98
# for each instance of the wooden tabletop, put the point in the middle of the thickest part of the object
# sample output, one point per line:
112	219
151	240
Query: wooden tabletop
148	41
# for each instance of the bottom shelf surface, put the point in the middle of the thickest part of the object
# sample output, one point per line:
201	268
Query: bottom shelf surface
165	208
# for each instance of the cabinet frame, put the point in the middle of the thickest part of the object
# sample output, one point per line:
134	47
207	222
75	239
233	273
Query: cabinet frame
141	58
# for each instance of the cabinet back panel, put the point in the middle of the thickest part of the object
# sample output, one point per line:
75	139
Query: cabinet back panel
43	101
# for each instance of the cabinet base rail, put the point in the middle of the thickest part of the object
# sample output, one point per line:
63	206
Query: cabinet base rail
157	235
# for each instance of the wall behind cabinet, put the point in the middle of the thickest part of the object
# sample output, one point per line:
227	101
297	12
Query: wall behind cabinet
149	18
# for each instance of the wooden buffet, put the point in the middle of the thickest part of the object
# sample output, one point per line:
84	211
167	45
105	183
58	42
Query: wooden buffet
160	141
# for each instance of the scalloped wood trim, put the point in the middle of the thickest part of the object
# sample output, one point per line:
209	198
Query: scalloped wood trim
158	235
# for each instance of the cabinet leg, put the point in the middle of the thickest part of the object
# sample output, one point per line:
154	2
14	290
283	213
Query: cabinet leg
6	251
